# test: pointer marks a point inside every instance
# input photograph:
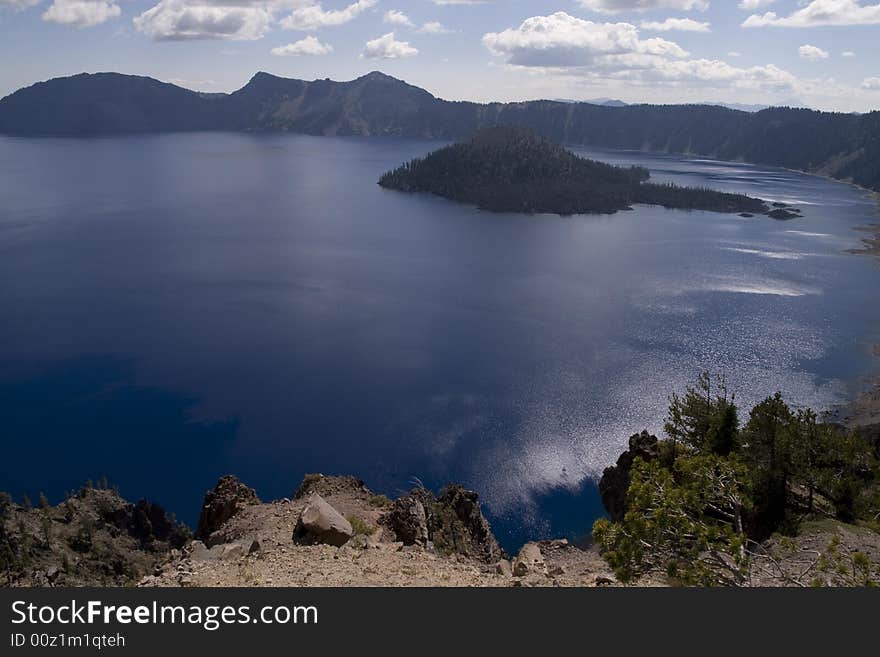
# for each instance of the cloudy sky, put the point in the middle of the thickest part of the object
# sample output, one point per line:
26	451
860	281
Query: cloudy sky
818	53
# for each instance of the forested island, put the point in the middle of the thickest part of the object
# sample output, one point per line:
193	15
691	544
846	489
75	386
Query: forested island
512	169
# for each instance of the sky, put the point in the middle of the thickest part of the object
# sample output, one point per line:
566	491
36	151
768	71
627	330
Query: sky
823	54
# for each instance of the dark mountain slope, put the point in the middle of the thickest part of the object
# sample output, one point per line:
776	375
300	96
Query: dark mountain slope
844	146
374	104
106	103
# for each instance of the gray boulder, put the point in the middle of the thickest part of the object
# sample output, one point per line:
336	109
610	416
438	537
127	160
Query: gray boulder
232	551
529	561
503	567
321	523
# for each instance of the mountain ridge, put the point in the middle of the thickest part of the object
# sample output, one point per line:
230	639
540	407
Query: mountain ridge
842	146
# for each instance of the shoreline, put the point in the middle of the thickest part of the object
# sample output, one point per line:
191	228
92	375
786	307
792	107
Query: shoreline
870	244
873	193
862	409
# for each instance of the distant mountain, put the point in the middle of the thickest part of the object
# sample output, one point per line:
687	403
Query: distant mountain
511	169
742	107
605	102
105	103
844	146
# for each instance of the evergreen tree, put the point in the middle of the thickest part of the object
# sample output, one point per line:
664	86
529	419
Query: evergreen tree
768	449
686	521
702	419
811	443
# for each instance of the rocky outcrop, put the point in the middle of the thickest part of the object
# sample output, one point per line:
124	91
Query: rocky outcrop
321	523
457	524
149	524
453	523
227	498
92	538
783	214
408	520
329	485
616	479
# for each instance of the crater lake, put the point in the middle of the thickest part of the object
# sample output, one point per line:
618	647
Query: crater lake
178	307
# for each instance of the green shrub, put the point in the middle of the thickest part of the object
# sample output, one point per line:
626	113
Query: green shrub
360	526
380	501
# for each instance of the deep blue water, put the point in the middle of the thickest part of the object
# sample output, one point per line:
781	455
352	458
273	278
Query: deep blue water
173	308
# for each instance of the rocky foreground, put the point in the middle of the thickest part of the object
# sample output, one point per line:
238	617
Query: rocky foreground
336	532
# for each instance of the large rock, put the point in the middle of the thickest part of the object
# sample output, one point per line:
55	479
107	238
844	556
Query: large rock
321	523
529	561
227	498
408	520
615	480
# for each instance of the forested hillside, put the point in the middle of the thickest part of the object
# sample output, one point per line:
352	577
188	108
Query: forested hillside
843	146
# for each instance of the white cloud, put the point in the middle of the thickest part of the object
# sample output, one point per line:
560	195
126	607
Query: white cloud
434	27
561	43
387	47
308	46
871	84
17	4
751	5
813	52
819	13
313	16
81	13
180	20
394	17
847	53
676	25
614	6
734	53
460	2
561	40
717	73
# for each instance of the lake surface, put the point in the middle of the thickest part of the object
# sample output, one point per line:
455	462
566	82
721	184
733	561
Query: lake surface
173	308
